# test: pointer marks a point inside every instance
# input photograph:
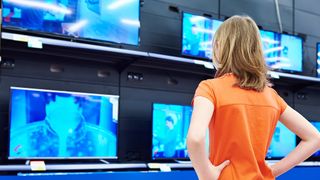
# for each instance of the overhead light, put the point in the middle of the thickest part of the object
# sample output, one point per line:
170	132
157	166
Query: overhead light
119	3
270	41
195	19
272	59
78	25
40	5
131	22
273	50
203	30
206	43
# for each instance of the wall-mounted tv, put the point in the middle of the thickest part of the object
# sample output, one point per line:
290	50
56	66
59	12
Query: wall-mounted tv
282	143
49	124
282	51
197	35
318	59
316	124
170	124
104	21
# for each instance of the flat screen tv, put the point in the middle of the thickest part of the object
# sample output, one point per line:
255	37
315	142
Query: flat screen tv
282	143
316	124
318	59
170	124
115	21
197	35
50	124
282	51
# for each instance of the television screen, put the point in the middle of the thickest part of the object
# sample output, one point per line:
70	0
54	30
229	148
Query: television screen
317	125
282	51
113	20
318	59
197	35
170	127
282	143
60	124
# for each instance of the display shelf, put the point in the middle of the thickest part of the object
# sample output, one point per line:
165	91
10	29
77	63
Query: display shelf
279	75
36	42
149	55
67	167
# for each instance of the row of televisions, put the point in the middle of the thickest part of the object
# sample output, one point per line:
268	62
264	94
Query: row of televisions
119	22
50	124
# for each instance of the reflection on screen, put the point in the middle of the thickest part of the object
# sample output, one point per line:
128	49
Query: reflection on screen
112	20
317	125
60	124
170	128
318	59
198	33
283	142
282	51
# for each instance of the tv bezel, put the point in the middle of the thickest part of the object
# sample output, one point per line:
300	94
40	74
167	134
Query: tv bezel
302	54
164	159
116	157
23	31
181	33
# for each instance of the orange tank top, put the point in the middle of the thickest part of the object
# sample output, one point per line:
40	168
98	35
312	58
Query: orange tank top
241	127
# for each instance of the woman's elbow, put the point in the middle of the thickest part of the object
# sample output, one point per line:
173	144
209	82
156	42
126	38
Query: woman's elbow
317	140
194	140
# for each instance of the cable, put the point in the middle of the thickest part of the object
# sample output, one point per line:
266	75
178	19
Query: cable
278	15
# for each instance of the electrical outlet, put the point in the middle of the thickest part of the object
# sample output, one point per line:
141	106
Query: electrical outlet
302	96
7	63
134	76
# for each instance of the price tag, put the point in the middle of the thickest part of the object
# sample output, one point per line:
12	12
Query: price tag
37	166
34	43
165	168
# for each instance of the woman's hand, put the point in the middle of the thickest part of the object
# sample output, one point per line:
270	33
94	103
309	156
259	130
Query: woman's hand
215	171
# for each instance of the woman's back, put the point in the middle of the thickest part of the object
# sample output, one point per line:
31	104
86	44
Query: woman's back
241	127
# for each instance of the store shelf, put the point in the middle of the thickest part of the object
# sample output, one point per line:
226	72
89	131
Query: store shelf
35	40
64	43
279	75
67	167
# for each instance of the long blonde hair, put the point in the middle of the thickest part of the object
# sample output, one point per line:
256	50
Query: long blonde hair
238	50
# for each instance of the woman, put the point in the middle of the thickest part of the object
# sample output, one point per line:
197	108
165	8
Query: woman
241	112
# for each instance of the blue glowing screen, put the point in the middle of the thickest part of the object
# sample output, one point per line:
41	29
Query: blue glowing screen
61	124
105	20
170	128
318	59
198	33
283	142
317	125
282	51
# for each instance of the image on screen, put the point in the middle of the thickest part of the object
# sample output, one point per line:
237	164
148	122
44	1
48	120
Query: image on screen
50	124
170	127
318	59
103	20
282	143
317	125
282	51
197	35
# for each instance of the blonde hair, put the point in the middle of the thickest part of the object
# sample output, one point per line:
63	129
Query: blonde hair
238	50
